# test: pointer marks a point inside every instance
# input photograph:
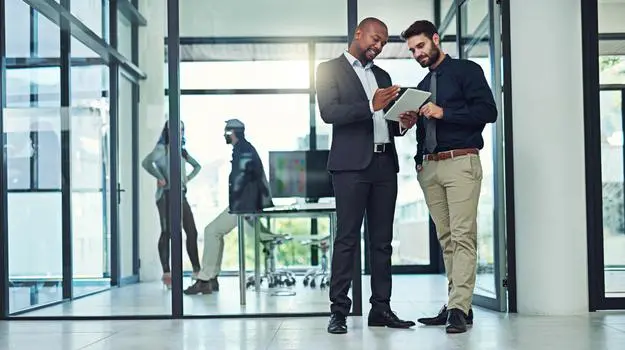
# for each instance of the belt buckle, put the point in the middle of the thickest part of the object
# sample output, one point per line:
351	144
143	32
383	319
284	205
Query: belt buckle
379	147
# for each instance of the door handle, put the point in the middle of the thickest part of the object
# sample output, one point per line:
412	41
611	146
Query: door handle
119	190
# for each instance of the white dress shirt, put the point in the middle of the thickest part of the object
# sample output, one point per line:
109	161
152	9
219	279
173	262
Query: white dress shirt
367	78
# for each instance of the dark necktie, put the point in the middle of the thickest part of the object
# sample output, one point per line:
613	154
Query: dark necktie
430	123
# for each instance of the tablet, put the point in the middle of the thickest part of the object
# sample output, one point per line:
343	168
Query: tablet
411	100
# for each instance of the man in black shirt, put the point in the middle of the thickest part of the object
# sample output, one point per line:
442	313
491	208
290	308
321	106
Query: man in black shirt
449	137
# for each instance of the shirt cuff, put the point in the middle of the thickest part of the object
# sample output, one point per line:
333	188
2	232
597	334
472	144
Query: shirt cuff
371	106
402	130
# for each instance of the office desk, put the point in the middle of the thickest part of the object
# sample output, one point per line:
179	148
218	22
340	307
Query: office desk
307	210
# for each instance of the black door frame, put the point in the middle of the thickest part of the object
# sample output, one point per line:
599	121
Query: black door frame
596	259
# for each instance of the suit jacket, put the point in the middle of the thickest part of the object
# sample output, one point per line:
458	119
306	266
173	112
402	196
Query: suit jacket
343	103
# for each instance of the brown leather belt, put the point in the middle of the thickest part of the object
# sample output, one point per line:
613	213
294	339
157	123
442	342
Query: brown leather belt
450	154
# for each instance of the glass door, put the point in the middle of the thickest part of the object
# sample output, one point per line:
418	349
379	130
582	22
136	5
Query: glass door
126	169
612	117
479	25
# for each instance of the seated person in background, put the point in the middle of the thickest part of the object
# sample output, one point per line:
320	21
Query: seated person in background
248	193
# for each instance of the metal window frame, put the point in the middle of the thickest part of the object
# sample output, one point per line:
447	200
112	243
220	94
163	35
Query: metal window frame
61	16
4	232
508	175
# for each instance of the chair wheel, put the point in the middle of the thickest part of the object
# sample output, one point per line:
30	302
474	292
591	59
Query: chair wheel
313	284
305	281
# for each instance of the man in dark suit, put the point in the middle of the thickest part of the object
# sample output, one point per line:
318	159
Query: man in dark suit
352	94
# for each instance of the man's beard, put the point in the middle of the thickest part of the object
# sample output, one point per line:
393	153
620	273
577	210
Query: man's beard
363	56
433	57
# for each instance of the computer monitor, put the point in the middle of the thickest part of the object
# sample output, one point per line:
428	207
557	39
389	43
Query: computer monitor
300	174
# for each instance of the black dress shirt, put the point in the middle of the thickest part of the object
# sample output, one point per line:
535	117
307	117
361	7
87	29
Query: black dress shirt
467	102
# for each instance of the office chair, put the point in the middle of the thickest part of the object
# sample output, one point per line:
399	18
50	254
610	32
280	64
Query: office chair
273	277
310	278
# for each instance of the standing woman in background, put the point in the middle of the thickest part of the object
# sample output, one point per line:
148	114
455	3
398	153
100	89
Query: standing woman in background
157	164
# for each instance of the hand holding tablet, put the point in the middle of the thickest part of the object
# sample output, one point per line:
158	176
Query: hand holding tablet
410	101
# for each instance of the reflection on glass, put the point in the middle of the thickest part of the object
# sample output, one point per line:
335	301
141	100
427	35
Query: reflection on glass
90	171
90	198
613	198
485	283
474	14
33	281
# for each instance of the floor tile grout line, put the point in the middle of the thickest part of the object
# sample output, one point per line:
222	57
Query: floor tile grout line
275	334
614	328
99	340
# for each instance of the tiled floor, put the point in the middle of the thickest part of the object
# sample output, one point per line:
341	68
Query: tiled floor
491	331
417	294
413	296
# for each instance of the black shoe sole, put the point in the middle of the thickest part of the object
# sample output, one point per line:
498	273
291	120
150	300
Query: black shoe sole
337	331
469	323
454	330
373	324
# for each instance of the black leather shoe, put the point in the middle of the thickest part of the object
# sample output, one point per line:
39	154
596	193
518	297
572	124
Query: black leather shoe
441	318
387	319
456	321
199	287
338	324
214	284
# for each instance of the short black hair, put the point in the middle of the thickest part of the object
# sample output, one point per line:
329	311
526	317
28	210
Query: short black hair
424	27
371	20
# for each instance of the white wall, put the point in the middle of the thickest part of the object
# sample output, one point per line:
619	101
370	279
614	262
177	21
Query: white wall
549	182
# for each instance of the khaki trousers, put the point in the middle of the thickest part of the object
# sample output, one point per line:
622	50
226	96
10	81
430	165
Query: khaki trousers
452	189
214	234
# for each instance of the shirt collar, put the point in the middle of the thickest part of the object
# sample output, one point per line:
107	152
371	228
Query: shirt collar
444	63
354	61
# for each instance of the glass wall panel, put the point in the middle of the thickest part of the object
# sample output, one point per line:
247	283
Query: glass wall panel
124	35
613	197
18	20
126	172
262	18
612	114
32	123
244	66
610	14
90	171
90	13
398	16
